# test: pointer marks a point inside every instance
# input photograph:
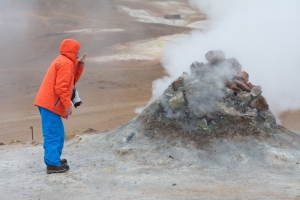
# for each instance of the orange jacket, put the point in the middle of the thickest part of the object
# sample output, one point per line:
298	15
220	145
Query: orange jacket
56	89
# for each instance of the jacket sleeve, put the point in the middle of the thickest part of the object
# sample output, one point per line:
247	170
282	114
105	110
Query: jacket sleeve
63	79
78	73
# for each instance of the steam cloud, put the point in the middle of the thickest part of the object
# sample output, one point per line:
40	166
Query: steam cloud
261	35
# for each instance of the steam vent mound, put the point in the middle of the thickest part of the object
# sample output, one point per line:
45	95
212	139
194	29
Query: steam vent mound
216	100
210	135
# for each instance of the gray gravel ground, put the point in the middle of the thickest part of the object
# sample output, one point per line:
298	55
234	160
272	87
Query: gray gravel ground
125	164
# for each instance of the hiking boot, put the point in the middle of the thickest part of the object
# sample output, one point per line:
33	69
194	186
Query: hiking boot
57	169
63	161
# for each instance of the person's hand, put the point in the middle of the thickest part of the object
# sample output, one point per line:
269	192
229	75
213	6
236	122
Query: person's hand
69	111
82	60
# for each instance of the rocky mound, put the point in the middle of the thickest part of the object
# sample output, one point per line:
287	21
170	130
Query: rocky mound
204	138
216	100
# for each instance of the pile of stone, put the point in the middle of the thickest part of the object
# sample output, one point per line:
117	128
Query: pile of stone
215	98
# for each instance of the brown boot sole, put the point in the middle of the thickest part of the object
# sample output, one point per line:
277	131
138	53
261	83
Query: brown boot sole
66	168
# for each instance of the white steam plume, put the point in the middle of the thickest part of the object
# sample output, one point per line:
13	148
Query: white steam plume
261	34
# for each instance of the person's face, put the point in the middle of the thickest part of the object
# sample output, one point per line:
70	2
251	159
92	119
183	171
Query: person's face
78	54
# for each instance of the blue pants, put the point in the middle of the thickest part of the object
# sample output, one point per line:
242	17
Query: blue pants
54	136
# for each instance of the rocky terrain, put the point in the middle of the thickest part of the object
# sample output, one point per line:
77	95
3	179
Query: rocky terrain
213	101
209	135
199	140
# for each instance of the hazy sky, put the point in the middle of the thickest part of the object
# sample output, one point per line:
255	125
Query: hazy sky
263	35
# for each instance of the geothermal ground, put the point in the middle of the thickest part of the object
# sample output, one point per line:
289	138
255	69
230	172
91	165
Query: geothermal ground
123	41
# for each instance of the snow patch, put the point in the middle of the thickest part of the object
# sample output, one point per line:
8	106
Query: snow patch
186	11
94	30
155	46
140	50
144	16
120	57
203	25
167	4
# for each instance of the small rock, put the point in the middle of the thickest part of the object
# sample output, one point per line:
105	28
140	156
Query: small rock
177	101
169	94
198	111
172	16
244	96
242	85
89	130
215	56
15	141
198	69
250	112
130	137
235	65
266	115
201	123
259	103
256	91
228	92
209	117
35	143
176	84
270	121
123	152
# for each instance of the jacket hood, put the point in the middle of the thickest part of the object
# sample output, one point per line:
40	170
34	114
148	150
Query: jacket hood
70	48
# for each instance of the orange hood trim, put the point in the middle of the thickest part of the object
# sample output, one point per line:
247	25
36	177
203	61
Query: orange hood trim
70	48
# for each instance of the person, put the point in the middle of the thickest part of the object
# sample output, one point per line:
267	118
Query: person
54	102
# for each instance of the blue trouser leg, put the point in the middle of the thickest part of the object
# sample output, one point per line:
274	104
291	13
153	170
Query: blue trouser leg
62	138
53	133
